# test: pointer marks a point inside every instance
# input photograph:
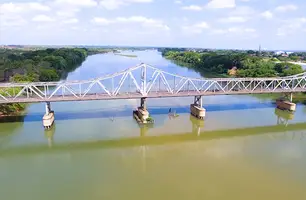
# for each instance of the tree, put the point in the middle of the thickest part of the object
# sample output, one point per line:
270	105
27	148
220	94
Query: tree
48	75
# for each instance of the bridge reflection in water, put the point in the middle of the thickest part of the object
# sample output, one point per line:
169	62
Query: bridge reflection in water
144	140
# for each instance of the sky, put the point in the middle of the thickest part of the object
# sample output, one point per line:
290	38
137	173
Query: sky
239	24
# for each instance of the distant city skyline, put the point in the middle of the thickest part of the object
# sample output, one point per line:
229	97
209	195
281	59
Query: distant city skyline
215	24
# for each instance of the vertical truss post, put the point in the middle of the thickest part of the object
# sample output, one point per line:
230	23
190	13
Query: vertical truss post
113	85
144	79
174	84
27	91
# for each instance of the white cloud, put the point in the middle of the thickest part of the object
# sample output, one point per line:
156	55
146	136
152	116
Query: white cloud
12	21
201	25
267	14
178	2
218	31
221	4
70	12
100	21
243	11
291	26
71	21
234	19
196	28
22	7
144	21
239	14
149	22
193	7
235	30
42	18
38	6
76	3
115	4
286	8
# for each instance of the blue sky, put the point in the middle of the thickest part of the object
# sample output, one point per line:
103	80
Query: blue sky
275	24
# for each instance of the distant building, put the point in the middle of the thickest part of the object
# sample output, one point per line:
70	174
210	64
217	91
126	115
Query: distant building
282	53
279	53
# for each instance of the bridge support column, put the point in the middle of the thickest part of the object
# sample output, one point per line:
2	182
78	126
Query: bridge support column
142	115
196	109
143	103
48	118
48	107
285	103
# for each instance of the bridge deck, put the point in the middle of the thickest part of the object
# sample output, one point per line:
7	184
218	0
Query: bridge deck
136	95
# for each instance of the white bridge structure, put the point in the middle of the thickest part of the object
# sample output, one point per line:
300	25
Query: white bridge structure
145	81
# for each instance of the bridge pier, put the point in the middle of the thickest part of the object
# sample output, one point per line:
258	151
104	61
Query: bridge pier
48	118
142	115
196	109
285	102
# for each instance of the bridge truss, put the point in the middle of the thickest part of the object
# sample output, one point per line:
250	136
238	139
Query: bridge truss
145	81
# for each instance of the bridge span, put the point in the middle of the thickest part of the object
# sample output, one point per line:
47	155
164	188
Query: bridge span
145	81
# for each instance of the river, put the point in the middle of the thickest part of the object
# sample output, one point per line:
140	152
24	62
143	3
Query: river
245	148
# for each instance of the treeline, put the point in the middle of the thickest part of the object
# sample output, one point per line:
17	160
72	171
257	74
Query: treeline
232	63
40	65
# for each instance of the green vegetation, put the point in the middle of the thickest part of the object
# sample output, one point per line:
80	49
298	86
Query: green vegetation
20	65
93	51
40	65
150	119
232	63
126	55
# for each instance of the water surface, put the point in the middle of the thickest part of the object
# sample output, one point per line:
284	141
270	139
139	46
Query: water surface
245	148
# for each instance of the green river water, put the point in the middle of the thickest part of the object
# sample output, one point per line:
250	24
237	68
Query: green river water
245	148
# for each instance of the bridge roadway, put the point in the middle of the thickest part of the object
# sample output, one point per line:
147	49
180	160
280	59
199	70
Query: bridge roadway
137	95
152	140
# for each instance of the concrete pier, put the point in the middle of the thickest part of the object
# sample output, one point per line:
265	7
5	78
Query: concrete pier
48	118
142	115
196	109
285	103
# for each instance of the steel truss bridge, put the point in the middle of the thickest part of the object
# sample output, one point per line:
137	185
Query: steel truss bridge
145	81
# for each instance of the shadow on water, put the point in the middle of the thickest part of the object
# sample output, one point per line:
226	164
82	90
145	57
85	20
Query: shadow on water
127	110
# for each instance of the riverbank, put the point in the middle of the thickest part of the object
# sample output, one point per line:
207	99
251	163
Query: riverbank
232	63
40	65
204	72
10	110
